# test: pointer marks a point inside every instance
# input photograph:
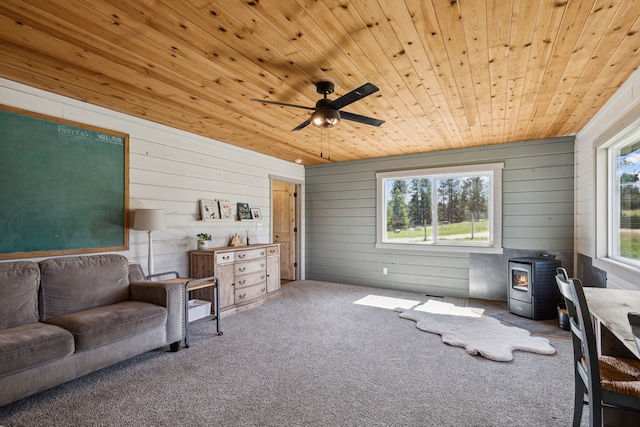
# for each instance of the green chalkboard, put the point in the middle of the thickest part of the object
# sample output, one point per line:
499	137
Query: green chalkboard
64	186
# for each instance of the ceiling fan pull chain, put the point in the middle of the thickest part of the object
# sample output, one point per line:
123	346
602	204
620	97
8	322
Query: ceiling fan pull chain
320	142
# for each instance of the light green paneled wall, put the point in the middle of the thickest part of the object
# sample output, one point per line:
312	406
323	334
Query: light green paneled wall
340	229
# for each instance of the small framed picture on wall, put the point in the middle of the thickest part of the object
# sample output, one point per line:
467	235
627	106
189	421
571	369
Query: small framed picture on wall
243	211
226	211
255	213
209	210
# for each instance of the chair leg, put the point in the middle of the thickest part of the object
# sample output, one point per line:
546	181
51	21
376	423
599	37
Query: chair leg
595	412
578	403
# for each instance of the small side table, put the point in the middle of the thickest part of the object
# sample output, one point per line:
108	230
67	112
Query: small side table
191	285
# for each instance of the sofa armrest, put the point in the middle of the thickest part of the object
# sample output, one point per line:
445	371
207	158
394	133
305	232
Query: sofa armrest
165	294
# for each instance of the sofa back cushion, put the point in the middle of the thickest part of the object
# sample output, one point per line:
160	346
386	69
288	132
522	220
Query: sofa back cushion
73	284
19	283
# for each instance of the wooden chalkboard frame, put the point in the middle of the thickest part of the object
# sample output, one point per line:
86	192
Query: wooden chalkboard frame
102	223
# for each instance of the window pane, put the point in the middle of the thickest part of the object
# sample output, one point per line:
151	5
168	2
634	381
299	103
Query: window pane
408	204
627	240
463	209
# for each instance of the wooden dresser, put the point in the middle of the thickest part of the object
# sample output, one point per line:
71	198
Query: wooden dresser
249	275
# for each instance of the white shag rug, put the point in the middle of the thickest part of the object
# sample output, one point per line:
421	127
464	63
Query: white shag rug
479	334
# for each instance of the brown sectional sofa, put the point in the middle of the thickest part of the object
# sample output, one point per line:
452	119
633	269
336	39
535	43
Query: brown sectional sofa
65	317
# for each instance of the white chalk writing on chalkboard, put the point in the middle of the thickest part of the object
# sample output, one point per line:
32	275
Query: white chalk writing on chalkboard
66	130
84	133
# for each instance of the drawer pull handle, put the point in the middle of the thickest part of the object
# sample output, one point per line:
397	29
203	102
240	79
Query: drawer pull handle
262	289
242	268
242	255
242	282
225	257
261	252
242	296
262	277
262	265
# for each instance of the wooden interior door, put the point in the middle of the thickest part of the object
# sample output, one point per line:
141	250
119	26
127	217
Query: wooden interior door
284	223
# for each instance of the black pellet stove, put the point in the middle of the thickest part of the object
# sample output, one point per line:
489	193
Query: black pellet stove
533	291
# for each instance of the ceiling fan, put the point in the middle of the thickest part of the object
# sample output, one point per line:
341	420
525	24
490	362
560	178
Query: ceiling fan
327	113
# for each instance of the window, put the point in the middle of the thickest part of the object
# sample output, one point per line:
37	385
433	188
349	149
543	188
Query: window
617	205
624	195
455	208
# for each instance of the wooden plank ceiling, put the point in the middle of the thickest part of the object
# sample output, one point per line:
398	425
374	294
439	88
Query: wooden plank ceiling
451	73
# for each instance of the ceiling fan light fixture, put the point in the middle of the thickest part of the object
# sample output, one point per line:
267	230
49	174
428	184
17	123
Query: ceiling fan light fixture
325	118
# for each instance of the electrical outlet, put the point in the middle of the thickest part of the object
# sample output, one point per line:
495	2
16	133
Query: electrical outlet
259	226
384	270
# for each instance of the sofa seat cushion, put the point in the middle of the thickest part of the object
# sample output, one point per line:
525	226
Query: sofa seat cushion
103	325
29	345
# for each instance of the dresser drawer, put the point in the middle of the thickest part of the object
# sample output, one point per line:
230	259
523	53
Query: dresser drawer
224	257
248	254
250	279
249	293
273	250
249	267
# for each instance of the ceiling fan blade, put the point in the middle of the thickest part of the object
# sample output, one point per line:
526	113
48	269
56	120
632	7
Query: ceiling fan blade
302	125
356	94
360	119
283	104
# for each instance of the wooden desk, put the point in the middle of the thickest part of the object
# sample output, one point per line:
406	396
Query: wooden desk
609	307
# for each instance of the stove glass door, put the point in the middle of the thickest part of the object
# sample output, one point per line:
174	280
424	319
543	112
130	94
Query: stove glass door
520	279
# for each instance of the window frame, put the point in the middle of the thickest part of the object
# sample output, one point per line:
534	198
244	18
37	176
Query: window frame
494	170
605	213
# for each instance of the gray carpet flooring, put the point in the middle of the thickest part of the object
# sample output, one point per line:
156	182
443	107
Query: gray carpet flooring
314	358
